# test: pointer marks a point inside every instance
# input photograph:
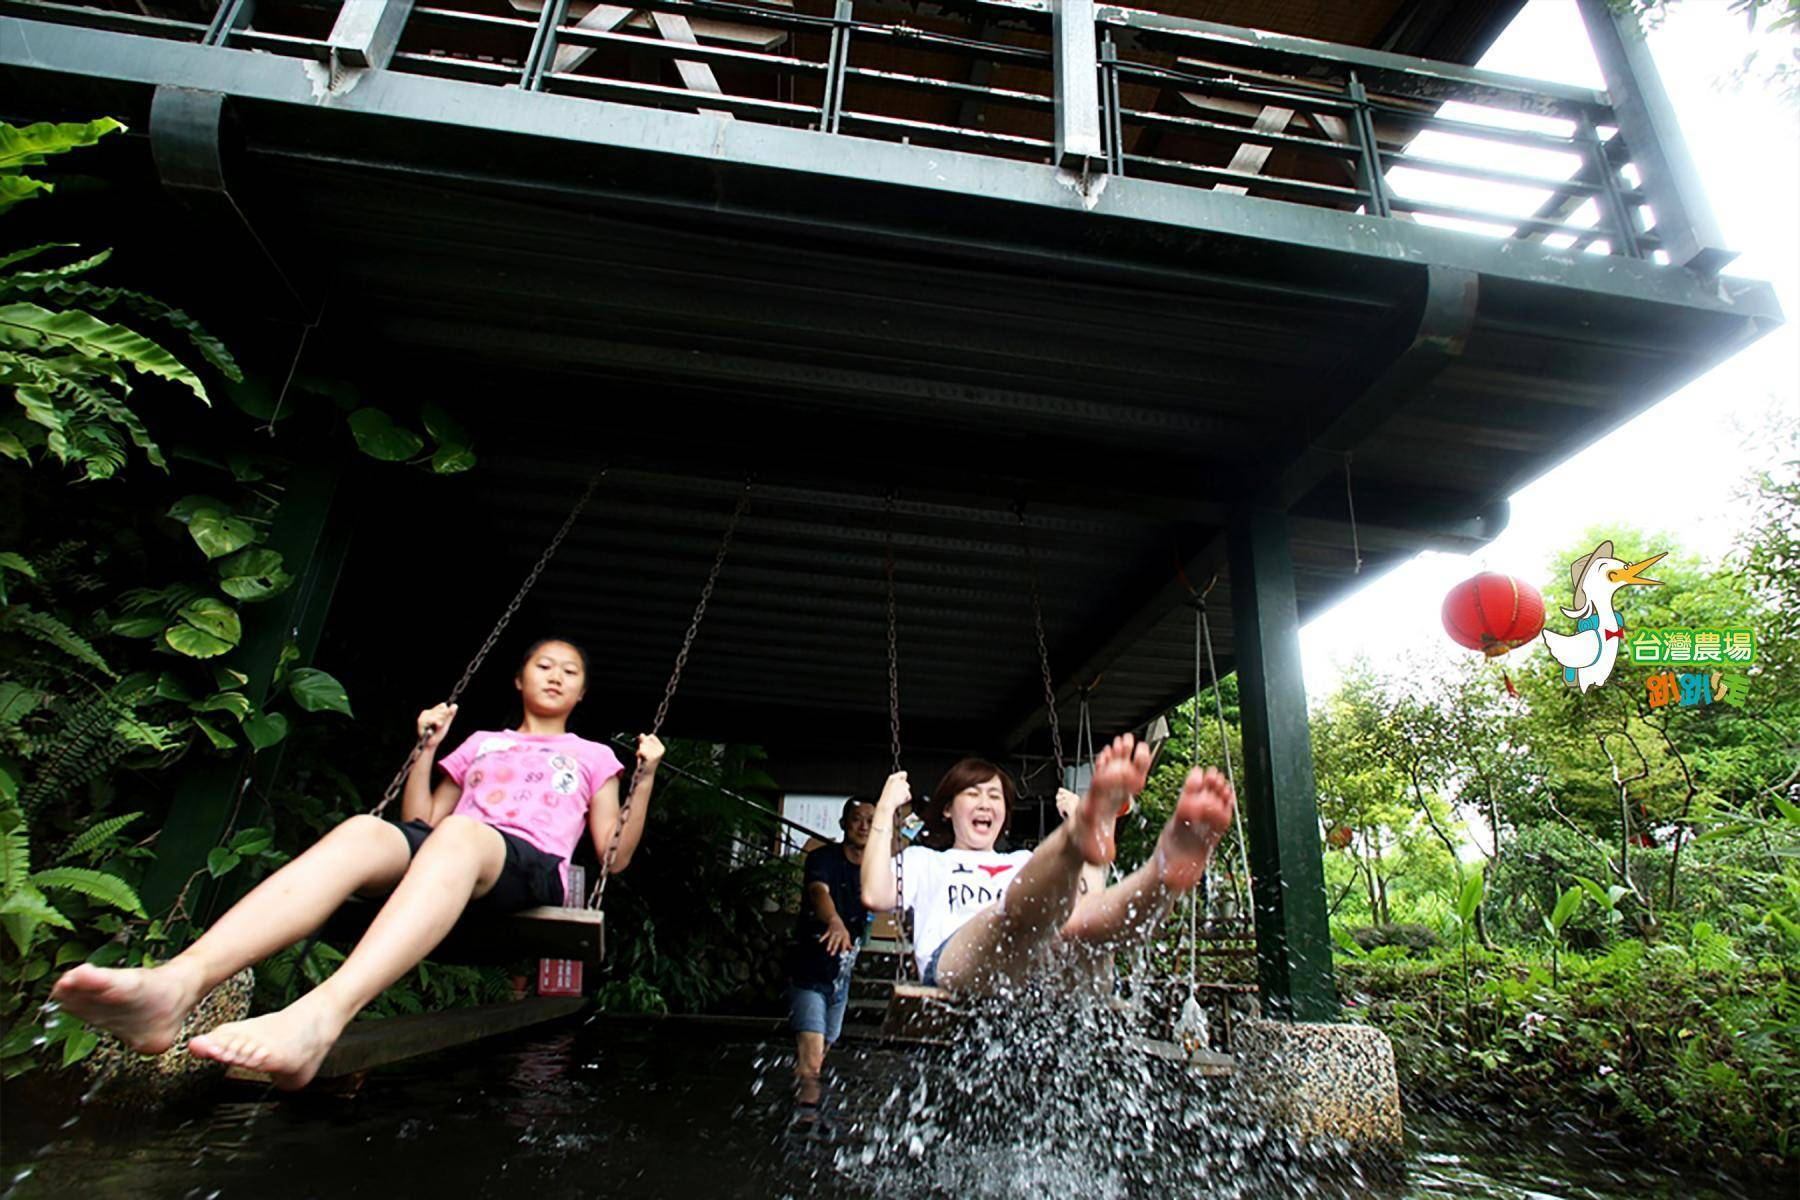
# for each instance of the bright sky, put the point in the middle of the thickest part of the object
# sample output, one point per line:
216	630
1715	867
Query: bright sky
1702	440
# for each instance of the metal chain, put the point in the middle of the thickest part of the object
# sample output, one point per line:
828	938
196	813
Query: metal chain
598	896
398	783
893	641
1043	649
901	964
1212	671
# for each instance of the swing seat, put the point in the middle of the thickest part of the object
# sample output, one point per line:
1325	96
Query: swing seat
929	1015
916	1013
543	932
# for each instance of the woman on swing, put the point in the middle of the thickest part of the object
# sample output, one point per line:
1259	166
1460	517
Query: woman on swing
495	836
984	921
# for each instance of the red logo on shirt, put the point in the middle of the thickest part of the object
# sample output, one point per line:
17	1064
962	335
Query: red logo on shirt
993	872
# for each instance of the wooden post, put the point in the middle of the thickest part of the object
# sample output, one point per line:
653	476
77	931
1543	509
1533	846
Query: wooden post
1279	805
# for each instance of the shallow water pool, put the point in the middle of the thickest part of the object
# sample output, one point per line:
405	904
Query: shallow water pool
671	1110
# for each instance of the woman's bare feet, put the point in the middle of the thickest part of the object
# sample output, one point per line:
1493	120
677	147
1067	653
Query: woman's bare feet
1201	817
288	1045
1119	774
143	1007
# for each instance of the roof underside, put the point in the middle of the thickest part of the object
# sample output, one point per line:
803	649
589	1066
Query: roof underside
1126	382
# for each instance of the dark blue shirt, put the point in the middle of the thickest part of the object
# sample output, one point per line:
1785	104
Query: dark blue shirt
807	961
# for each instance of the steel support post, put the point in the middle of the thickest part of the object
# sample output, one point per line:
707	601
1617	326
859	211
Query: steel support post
1684	220
1279	804
312	533
1078	143
367	31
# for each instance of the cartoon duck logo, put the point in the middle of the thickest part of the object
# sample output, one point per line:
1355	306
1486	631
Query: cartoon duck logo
1587	655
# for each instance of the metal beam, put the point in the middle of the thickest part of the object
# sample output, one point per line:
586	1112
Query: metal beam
1430	338
1279	805
1078	144
1426	339
186	131
515	115
1647	122
366	32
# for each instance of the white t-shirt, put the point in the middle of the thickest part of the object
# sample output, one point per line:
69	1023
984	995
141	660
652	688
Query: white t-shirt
944	888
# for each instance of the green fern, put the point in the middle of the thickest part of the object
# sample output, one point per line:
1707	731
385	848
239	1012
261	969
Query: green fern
54	284
98	836
26	326
95	885
51	631
31	145
88	749
15	858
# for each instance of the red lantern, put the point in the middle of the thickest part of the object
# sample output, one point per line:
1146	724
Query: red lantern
1493	613
1339	836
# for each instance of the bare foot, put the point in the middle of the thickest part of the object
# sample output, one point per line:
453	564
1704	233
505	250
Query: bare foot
143	1007
1202	816
288	1045
1119	773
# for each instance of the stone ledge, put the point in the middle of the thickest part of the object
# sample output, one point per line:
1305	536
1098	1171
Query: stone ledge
1329	1086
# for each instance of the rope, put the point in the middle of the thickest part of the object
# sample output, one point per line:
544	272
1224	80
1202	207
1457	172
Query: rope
598	897
398	783
1043	648
1350	502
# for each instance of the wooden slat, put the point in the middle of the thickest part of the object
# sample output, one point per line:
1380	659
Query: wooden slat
369	1044
577	933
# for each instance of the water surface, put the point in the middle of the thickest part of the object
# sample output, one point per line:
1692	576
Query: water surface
676	1110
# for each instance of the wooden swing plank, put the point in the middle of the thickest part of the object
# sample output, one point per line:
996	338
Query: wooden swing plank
577	933
369	1044
545	932
917	1013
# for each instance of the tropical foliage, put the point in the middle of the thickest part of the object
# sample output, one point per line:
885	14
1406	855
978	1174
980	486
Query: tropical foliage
136	520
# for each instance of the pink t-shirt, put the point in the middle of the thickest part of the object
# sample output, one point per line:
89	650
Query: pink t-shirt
537	786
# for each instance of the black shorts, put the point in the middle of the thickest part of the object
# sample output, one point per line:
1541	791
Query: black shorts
529	876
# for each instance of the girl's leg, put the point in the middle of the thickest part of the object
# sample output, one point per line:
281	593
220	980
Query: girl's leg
145	1007
459	862
1001	944
1133	905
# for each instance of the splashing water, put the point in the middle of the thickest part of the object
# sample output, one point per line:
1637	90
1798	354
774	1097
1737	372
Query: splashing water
1042	1089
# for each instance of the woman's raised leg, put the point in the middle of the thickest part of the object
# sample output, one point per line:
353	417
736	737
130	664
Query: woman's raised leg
1130	907
1001	944
459	862
145	1006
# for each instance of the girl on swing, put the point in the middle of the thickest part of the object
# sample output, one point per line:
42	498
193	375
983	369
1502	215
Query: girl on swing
494	836
984	921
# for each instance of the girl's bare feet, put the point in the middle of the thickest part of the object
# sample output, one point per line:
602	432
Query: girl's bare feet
144	1008
288	1045
1201	817
1119	774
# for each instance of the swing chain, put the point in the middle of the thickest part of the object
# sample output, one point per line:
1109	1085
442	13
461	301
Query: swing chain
893	640
598	897
1212	670
1043	648
893	652
398	783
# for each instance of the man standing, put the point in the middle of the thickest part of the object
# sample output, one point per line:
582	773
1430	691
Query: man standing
826	936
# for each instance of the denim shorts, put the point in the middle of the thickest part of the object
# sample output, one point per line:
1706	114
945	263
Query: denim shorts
820	1007
929	976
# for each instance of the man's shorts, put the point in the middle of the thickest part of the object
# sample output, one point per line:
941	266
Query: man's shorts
528	878
820	1007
